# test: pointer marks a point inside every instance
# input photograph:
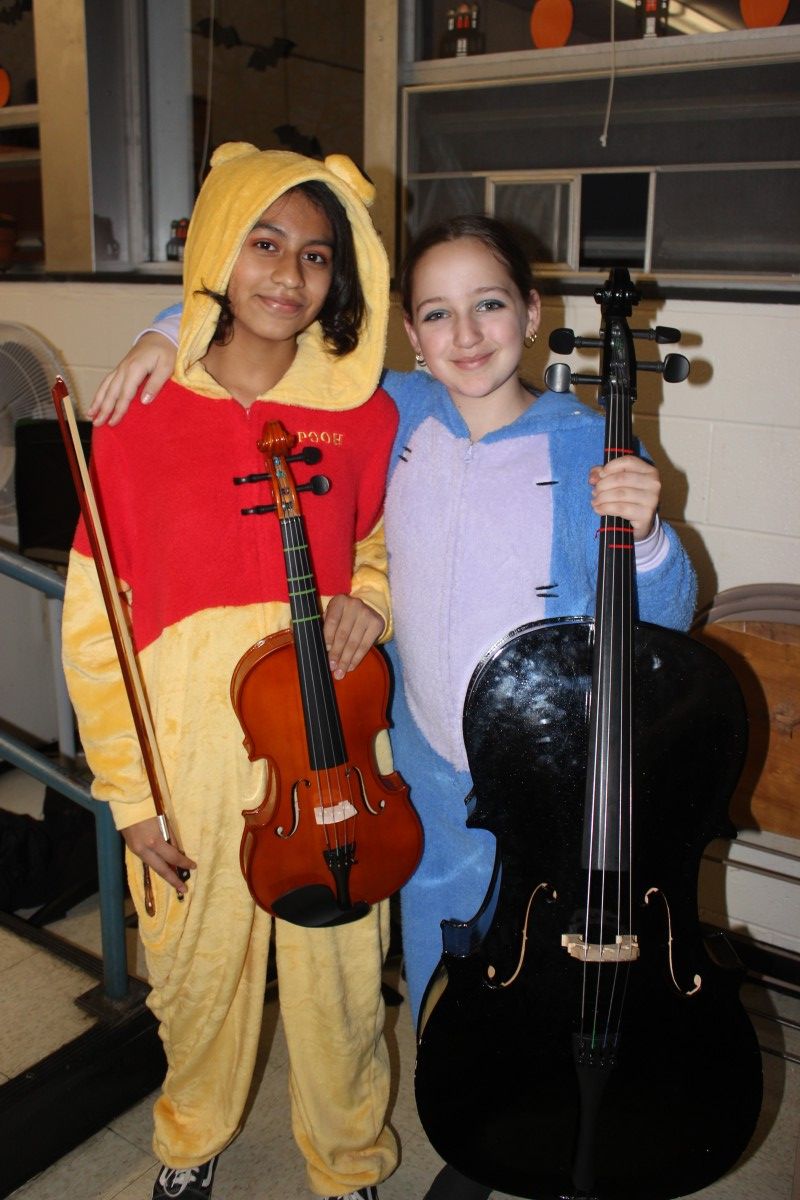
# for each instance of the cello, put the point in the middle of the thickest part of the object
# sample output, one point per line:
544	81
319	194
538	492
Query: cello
332	835
581	1039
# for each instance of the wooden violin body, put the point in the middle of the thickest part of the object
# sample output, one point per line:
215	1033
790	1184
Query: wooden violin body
332	835
327	840
668	1103
581	1041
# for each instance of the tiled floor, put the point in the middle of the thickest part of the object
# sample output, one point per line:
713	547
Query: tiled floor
37	1014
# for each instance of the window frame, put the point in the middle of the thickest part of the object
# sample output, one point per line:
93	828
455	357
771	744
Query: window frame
645	58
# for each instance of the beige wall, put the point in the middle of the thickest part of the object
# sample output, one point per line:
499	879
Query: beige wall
727	441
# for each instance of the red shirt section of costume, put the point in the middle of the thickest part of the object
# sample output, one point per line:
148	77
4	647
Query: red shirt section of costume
176	533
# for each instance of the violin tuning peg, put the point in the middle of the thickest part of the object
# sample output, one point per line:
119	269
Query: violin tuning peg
238	479
310	455
258	510
318	484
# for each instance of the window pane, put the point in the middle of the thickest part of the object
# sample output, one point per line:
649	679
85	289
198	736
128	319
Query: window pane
539	214
432	200
727	115
727	221
613	220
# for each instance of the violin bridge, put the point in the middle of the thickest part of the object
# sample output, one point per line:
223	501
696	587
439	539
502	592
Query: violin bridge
625	948
332	814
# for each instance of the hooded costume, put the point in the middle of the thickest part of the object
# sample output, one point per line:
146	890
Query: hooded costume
204	584
484	537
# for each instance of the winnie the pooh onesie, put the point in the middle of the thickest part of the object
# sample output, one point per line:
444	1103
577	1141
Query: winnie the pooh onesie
203	584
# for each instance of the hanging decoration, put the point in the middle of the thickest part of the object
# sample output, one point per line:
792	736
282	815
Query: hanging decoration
13	13
758	13
228	36
551	23
291	137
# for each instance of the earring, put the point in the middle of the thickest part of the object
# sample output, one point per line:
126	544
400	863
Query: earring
420	360
529	340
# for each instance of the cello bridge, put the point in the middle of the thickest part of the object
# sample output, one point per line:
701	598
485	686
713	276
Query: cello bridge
624	949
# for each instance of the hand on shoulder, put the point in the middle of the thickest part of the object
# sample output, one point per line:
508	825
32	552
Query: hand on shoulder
148	365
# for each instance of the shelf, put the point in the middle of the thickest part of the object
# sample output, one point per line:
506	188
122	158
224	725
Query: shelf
746	47
14	155
19	116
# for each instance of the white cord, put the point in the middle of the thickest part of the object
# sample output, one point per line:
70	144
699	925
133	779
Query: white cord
604	134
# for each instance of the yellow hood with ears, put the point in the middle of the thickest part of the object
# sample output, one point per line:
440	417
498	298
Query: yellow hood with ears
242	182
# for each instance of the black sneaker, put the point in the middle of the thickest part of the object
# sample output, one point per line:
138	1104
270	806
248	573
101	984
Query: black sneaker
365	1193
190	1183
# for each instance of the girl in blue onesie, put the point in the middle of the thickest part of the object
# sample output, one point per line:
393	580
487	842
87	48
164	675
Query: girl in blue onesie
491	518
491	514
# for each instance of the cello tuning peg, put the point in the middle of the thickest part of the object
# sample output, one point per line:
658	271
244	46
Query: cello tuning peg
558	377
562	341
661	334
674	368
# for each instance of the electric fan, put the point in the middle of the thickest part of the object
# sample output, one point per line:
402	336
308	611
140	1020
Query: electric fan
28	368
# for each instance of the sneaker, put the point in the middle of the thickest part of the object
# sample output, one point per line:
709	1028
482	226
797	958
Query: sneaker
191	1183
365	1193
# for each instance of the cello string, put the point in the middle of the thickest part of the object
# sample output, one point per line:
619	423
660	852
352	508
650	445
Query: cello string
623	440
608	600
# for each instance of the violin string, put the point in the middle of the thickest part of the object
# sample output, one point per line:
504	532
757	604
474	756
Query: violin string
295	541
308	666
323	703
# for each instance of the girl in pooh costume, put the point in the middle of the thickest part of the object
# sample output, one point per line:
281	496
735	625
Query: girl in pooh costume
285	306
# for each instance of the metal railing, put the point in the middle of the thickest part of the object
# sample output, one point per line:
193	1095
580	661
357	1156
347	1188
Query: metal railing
21	755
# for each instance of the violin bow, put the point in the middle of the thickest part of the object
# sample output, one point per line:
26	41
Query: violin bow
134	688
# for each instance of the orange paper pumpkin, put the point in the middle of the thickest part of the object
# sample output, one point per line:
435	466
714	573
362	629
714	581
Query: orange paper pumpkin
756	13
551	23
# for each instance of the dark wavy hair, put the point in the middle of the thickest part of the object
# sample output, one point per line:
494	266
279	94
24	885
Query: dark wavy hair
342	314
495	236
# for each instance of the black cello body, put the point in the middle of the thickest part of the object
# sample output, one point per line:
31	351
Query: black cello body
581	1038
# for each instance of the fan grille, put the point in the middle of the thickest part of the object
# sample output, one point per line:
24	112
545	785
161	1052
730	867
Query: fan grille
28	369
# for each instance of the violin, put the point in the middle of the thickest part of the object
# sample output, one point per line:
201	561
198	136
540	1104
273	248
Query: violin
582	1037
332	835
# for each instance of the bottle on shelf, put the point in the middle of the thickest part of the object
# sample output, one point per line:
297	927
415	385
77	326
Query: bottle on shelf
462	35
177	239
